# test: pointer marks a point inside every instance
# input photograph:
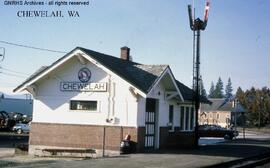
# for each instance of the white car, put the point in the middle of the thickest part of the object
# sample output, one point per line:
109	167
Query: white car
21	128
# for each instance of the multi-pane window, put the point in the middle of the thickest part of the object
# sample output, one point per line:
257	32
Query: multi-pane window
191	123
171	117
83	105
182	118
187	118
187	115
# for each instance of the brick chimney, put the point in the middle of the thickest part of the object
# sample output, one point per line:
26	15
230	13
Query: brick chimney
125	53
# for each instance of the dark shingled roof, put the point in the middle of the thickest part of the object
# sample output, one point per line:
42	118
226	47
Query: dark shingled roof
188	93
141	76
217	105
37	72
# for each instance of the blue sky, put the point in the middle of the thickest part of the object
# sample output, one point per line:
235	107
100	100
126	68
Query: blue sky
235	43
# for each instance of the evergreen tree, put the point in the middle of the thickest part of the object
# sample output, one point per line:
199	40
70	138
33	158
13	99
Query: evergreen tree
202	89
212	90
257	104
218	93
228	89
240	94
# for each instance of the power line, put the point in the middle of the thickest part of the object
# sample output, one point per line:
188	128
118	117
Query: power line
14	84
31	47
14	75
21	73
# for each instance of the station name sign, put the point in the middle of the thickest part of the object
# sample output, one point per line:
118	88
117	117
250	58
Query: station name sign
83	87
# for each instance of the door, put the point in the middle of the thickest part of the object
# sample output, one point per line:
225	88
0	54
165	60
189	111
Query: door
150	123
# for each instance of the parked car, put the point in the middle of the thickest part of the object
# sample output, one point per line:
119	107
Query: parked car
21	128
216	131
20	118
5	121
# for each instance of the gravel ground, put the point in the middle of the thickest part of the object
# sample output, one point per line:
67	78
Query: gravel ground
205	156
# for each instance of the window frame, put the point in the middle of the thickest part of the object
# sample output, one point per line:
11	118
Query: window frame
171	107
81	110
186	127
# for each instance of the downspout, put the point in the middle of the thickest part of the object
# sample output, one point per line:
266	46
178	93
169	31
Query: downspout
109	99
103	141
113	98
126	111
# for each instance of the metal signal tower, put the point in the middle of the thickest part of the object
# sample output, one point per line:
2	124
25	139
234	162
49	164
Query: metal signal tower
196	25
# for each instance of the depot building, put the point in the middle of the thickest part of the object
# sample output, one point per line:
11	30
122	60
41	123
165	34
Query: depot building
91	100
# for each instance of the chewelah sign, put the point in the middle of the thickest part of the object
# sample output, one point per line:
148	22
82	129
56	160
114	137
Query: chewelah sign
83	87
84	76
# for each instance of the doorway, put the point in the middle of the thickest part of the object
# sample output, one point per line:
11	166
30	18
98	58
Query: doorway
150	123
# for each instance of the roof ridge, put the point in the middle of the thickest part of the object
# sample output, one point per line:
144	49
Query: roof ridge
115	57
217	98
138	75
157	64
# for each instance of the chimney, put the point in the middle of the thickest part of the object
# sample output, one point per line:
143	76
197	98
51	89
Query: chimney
125	53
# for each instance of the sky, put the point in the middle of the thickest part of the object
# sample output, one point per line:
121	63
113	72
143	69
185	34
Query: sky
234	45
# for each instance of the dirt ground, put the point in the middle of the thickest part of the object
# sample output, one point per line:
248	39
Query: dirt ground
207	155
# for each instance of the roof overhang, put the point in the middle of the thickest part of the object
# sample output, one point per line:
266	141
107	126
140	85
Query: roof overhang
168	73
82	57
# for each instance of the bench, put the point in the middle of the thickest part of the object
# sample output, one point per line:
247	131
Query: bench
69	152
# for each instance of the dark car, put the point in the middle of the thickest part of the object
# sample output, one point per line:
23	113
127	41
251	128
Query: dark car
5	121
20	118
216	131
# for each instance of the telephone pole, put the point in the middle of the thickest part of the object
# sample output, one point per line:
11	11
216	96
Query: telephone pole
196	25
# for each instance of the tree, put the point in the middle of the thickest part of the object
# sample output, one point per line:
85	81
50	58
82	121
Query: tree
228	89
218	93
257	104
202	89
212	90
240	95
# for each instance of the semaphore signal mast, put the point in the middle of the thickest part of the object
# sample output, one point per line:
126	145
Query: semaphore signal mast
196	25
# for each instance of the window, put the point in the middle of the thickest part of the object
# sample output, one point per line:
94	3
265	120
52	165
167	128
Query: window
83	105
182	118
214	115
191	123
170	117
187	118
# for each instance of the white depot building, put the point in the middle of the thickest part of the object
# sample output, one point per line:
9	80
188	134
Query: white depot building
91	100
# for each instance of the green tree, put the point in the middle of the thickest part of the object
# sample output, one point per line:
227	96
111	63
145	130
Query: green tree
212	90
257	104
202	89
240	95
229	89
218	93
